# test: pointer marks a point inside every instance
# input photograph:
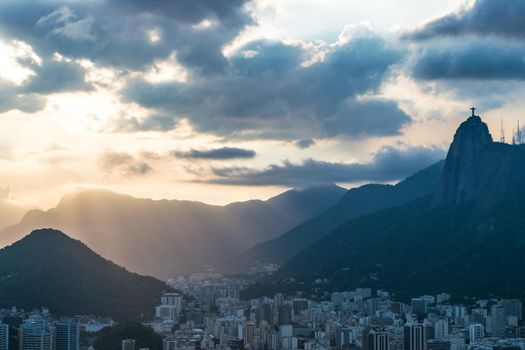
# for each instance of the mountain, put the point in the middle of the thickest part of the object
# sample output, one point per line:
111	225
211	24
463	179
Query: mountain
467	238
168	237
478	169
10	213
47	268
305	204
356	202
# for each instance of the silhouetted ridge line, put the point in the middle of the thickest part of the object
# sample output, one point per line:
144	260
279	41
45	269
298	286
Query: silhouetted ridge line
49	269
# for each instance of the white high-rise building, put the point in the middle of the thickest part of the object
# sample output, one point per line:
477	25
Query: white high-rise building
457	342
378	340
67	335
4	336
499	321
35	334
271	340
414	336
476	332
174	299
170	307
343	337
441	329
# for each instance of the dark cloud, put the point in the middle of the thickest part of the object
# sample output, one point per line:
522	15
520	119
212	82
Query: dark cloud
267	93
152	123
262	91
304	143
483	60
486	17
141	168
49	77
231	12
222	153
266	58
57	76
389	164
118	33
12	97
366	118
121	163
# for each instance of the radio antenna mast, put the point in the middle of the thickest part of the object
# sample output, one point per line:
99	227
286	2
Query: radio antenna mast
520	141
502	133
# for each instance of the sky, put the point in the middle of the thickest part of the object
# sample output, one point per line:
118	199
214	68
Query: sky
222	101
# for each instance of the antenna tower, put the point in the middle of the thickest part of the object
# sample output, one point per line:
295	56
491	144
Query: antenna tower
502	133
520	141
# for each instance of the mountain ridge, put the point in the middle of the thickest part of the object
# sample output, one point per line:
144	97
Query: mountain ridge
464	239
11	213
48	268
356	202
165	237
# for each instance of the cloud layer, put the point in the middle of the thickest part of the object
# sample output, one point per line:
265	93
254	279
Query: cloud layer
267	92
57	76
121	33
12	97
477	60
122	163
481	42
484	17
222	153
389	164
195	75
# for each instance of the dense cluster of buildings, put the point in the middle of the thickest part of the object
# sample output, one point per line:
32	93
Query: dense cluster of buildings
37	330
38	333
216	318
209	314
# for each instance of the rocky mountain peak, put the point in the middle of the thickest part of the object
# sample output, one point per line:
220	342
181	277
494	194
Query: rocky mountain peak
460	180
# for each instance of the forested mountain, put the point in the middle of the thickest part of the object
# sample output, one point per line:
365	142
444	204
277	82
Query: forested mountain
467	238
356	202
49	269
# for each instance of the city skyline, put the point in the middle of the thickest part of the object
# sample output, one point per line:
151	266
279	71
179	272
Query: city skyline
262	174
411	271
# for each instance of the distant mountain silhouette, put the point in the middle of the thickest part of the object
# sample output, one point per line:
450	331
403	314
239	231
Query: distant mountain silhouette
356	202
300	205
169	237
480	170
463	175
10	213
467	238
47	268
